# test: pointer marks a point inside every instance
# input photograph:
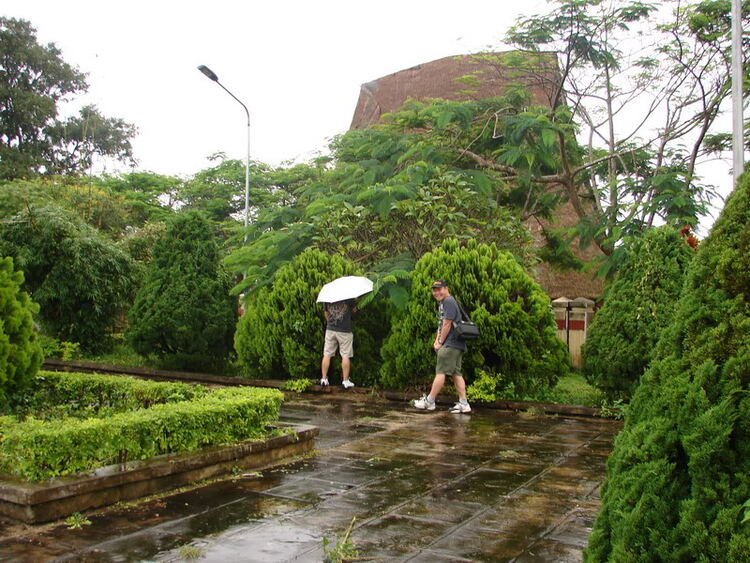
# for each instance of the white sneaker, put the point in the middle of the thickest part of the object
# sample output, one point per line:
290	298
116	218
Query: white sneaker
425	404
324	383
347	383
461	408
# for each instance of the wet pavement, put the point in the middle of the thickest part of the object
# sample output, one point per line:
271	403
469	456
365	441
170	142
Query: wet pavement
491	486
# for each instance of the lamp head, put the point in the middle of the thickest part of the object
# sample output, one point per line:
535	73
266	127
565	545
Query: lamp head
208	72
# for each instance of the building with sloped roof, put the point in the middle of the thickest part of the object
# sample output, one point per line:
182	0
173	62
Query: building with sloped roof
438	79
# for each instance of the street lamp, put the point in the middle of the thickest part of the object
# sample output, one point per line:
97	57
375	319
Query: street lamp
210	74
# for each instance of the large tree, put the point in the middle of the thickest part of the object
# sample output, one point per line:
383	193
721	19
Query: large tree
642	85
34	81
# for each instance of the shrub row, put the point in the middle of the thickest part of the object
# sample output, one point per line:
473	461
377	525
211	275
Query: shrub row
36	450
80	395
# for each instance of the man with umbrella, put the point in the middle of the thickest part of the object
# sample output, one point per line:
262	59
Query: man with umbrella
338	297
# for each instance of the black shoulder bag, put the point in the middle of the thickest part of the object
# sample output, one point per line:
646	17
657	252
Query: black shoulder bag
464	328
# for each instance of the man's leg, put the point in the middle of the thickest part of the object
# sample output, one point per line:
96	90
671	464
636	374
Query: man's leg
437	386
345	365
324	365
460	384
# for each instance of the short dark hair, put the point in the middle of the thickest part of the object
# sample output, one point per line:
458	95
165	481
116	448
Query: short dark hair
439	283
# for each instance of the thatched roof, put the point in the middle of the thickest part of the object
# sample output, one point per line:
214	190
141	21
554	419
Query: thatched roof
437	79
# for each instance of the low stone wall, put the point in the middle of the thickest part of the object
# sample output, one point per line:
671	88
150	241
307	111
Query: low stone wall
57	498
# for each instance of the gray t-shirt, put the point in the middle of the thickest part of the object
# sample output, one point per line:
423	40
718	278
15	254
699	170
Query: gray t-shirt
448	309
340	315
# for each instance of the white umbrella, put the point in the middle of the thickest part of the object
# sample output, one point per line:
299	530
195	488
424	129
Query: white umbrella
344	288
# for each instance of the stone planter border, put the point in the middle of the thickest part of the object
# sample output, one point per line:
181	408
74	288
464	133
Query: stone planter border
49	500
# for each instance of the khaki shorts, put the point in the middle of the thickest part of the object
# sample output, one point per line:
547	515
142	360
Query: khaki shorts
448	361
344	341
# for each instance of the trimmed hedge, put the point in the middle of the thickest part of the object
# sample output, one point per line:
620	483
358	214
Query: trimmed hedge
81	395
35	449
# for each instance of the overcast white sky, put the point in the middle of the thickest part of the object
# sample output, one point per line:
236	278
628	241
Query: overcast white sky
296	64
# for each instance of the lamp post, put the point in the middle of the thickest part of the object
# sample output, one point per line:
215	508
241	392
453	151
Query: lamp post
738	146
210	74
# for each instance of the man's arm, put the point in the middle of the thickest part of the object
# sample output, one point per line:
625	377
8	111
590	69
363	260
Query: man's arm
443	333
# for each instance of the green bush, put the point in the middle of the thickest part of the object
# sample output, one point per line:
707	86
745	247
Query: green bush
637	307
679	476
183	314
20	354
518	343
80	279
281	332
35	449
56	394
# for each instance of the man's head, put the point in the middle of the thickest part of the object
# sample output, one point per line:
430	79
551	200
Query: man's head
440	289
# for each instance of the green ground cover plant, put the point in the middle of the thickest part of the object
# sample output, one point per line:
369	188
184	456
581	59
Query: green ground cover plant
518	343
638	305
678	479
37	449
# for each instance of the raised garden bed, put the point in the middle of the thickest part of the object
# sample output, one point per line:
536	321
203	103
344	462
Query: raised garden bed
102	428
34	502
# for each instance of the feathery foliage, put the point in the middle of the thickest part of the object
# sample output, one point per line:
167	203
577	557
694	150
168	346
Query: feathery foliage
518	342
678	479
183	313
20	353
638	305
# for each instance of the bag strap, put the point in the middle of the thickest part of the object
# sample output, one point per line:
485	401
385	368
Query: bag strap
464	316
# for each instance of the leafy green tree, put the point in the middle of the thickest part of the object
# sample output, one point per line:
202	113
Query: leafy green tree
388	193
677	485
20	353
646	118
518	343
183	314
79	278
638	305
281	332
34	80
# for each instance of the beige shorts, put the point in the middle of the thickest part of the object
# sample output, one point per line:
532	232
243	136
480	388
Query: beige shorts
344	341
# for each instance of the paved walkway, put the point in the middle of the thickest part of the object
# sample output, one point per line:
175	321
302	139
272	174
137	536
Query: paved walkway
491	486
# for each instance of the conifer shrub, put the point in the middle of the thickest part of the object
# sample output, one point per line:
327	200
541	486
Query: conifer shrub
183	314
638	305
678	481
20	353
518	345
281	333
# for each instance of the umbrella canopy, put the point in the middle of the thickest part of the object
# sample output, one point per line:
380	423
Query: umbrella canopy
344	288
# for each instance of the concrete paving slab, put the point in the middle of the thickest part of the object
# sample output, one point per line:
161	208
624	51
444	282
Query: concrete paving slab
493	486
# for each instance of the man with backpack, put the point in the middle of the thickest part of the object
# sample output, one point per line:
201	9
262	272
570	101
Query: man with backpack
449	349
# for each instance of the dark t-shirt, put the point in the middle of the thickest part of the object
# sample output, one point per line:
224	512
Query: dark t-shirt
340	315
448	309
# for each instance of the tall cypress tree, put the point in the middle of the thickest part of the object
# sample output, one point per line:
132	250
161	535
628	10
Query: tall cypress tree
637	307
678	485
183	313
518	342
20	353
